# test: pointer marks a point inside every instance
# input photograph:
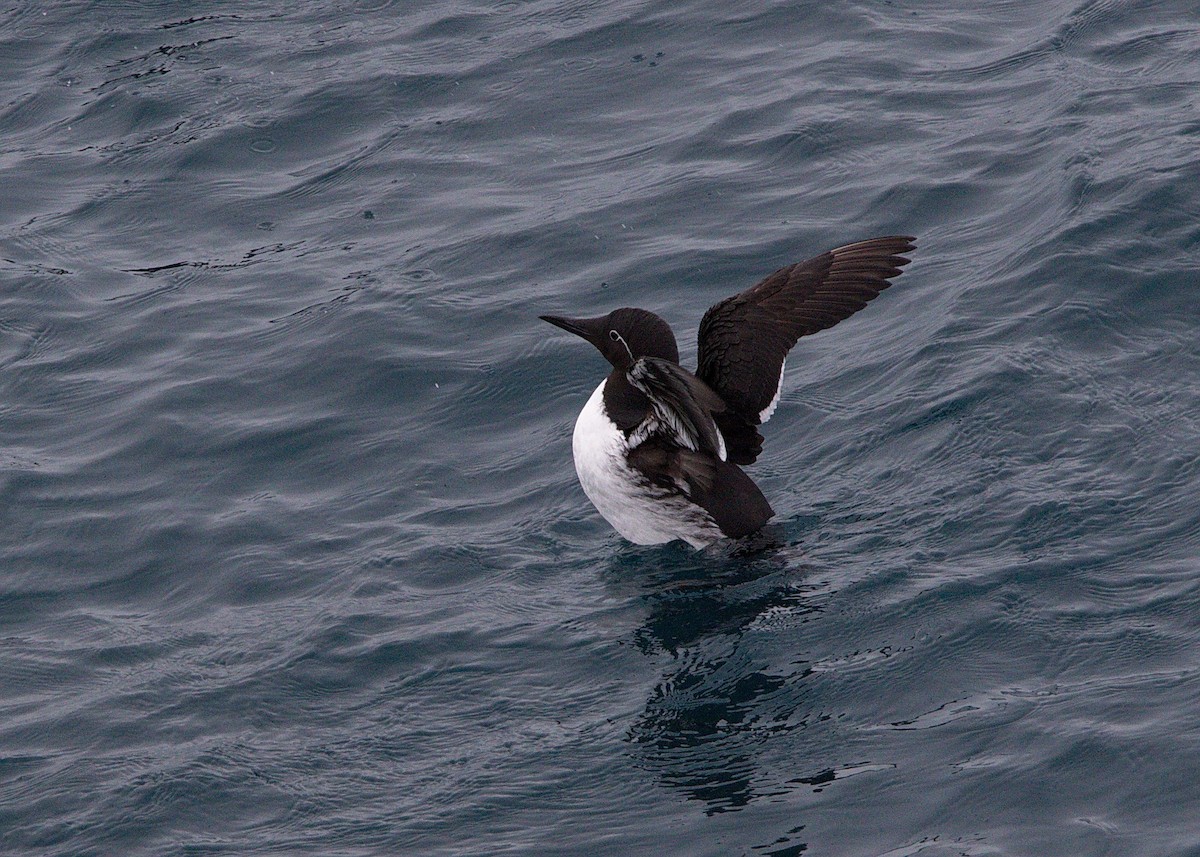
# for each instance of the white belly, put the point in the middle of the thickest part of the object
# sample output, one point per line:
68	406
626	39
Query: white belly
641	512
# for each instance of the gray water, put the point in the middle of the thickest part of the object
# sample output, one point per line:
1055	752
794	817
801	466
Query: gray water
293	559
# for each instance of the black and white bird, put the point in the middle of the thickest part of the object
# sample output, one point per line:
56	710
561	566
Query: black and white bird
658	448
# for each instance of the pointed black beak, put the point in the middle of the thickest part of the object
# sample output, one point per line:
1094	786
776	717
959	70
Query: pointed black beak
589	328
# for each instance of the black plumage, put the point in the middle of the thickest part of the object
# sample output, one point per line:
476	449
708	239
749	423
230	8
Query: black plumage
744	339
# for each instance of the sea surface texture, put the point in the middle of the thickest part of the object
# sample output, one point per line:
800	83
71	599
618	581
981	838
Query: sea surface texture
293	558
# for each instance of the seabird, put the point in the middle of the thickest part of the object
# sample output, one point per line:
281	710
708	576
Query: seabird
657	448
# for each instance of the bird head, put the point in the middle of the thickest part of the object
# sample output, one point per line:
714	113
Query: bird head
623	335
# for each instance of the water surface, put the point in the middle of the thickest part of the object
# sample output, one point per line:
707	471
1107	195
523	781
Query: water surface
292	555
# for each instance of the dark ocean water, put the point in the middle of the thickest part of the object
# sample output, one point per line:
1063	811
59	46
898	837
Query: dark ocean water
293	559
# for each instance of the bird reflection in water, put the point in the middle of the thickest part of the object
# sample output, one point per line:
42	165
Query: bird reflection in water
719	699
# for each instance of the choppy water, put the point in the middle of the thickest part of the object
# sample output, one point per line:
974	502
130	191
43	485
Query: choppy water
292	555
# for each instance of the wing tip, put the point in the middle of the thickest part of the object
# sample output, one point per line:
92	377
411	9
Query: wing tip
888	244
886	250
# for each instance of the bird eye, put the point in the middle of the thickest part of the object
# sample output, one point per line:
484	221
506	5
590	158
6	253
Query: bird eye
614	336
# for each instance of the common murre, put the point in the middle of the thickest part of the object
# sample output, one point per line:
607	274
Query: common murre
657	447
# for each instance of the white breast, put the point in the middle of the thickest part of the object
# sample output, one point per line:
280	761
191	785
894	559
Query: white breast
641	512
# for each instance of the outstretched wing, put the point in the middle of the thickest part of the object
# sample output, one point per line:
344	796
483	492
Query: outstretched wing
681	403
744	339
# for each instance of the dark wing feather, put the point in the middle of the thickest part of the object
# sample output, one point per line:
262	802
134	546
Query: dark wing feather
682	404
745	338
736	504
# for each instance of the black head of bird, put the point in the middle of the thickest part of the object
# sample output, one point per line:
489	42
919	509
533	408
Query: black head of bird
623	335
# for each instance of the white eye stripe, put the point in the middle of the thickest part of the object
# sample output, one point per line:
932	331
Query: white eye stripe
616	337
